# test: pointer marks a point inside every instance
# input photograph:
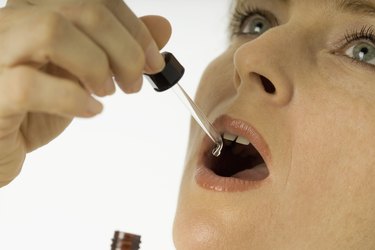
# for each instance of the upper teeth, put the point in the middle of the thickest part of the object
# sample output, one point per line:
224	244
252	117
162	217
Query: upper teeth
242	140
230	137
235	138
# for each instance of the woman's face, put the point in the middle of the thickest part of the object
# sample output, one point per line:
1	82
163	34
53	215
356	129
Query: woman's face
298	82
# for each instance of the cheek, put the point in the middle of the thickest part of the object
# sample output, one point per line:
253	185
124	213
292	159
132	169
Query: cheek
216	84
332	141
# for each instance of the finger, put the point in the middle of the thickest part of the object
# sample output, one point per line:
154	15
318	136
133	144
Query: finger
160	29
24	89
48	37
125	55
154	61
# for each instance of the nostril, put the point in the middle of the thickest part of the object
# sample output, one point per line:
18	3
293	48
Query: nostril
267	85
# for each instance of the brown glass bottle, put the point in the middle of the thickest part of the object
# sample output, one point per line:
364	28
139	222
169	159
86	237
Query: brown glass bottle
125	241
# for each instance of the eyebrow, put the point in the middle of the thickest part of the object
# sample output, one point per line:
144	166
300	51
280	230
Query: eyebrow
363	7
357	7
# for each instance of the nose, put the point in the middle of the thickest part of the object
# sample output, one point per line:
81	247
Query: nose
263	67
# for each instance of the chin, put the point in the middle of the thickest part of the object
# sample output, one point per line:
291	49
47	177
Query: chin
199	231
206	217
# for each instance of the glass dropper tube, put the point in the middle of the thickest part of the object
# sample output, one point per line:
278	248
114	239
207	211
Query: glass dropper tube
200	118
168	78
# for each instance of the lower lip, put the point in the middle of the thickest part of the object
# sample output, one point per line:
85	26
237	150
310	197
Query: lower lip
207	179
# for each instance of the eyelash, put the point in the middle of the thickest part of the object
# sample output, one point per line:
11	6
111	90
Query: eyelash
366	33
241	13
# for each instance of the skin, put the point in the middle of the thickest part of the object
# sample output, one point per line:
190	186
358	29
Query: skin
44	78
319	125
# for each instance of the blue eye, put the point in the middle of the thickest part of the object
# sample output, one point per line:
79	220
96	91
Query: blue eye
255	25
248	20
363	52
362	45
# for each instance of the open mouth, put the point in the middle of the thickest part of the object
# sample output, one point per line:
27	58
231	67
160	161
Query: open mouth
244	162
238	159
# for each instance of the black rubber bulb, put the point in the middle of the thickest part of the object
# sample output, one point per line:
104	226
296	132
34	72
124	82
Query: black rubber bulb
169	76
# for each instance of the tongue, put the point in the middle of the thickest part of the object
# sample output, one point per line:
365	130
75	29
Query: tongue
256	173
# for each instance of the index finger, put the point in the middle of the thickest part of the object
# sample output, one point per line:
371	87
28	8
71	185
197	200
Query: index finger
154	60
134	26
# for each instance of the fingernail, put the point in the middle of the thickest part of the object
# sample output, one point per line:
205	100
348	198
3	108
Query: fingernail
135	86
94	107
109	86
154	60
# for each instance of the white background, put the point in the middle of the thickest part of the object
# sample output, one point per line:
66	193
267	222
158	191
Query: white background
120	170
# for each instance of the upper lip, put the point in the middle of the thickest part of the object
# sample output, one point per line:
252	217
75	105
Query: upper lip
227	124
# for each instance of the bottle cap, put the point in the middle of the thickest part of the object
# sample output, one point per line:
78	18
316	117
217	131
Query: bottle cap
169	76
125	241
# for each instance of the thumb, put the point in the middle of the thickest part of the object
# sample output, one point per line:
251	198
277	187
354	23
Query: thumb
160	29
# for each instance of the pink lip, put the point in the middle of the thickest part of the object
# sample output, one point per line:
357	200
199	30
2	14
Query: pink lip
207	179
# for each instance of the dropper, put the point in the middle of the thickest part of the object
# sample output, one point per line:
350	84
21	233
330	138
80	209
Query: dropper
168	78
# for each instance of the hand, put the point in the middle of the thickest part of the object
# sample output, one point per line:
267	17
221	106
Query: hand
55	55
